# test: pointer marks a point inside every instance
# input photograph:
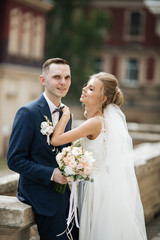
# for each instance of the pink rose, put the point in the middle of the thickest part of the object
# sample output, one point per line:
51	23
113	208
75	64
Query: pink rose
80	166
73	164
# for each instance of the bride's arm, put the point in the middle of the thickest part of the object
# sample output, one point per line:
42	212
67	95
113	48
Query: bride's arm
90	127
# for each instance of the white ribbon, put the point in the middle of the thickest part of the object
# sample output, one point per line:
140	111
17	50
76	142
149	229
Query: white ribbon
48	140
73	205
72	212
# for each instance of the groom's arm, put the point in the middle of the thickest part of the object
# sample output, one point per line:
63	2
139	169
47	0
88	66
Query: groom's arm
20	145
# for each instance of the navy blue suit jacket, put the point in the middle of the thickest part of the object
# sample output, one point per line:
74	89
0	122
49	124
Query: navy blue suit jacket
31	156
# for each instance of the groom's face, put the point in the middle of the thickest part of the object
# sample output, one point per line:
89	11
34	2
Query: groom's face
57	81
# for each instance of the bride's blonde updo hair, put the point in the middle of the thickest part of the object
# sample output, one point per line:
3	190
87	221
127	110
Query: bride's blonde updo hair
110	89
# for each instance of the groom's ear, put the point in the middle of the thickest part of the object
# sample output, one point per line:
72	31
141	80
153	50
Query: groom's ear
42	80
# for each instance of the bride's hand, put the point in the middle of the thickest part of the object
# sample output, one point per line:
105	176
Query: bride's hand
66	112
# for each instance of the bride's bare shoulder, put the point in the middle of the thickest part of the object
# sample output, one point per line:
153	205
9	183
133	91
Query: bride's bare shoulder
94	122
94	125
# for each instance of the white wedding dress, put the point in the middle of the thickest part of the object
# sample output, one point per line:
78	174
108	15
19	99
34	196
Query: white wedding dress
110	207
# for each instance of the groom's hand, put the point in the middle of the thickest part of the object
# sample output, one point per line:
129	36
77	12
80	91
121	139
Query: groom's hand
58	177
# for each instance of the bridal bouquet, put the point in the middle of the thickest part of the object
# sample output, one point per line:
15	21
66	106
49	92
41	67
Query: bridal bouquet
75	163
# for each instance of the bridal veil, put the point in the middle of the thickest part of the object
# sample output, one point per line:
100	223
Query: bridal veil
124	212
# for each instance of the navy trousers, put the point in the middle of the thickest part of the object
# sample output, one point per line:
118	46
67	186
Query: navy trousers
50	227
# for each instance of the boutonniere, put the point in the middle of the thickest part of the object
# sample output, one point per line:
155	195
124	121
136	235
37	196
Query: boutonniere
47	128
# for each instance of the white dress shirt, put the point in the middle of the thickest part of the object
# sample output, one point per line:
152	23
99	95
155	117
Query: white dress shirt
52	107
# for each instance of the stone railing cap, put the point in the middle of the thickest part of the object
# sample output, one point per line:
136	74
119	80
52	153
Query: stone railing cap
145	151
14	213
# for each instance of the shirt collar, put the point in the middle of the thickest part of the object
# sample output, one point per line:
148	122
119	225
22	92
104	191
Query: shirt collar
51	105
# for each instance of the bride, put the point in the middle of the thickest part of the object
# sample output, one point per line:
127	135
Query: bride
109	208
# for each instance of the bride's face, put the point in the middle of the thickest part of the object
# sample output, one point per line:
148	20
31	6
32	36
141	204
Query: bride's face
91	93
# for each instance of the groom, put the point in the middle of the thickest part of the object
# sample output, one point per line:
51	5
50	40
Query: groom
33	158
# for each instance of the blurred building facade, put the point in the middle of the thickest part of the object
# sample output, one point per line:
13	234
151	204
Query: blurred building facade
22	38
132	53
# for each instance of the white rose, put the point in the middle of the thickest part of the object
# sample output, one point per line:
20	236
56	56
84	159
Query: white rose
50	130
88	157
44	125
59	157
76	151
66	149
43	131
68	171
47	131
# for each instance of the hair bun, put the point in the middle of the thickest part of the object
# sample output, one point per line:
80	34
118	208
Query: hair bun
118	97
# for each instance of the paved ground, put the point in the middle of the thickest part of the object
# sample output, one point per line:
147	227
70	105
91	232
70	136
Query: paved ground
153	229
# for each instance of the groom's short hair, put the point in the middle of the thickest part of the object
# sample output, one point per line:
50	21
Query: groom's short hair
45	67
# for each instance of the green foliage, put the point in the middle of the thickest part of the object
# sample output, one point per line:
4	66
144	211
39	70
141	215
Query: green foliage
76	33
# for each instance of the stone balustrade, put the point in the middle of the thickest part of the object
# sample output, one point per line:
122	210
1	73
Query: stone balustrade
16	217
8	184
141	132
143	127
147	167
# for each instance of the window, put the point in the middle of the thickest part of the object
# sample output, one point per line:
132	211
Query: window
38	38
98	65
14	31
132	71
136	23
26	35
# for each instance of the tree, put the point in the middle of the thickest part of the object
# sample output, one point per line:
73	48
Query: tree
75	32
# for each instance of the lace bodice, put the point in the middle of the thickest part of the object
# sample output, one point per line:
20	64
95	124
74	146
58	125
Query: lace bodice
97	147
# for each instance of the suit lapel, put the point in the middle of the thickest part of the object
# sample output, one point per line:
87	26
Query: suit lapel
44	111
44	108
